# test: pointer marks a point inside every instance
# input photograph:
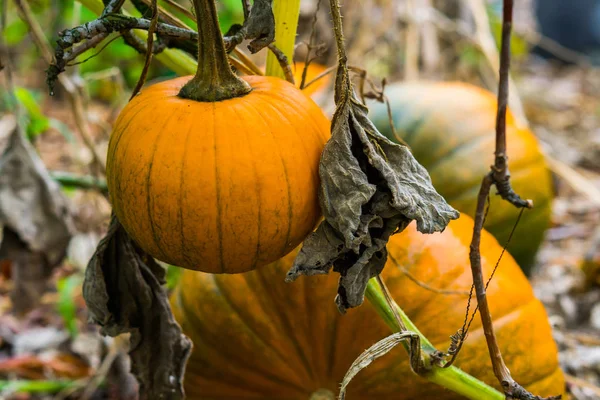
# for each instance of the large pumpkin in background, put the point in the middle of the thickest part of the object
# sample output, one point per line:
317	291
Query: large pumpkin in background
221	187
313	71
258	337
450	128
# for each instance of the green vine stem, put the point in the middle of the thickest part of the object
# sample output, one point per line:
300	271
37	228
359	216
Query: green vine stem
214	79
70	180
451	378
27	386
286	23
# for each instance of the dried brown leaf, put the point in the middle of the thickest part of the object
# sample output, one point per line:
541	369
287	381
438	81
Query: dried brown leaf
374	352
371	188
31	203
260	25
123	292
36	224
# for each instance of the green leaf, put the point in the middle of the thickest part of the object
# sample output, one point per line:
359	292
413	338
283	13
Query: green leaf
37	122
29	100
173	276
15	32
68	288
26	386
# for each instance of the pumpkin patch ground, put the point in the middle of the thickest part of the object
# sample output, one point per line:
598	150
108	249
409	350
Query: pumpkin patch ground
157	210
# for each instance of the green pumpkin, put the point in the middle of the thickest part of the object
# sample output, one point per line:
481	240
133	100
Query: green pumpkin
450	128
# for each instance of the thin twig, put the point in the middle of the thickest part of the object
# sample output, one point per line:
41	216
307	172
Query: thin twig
164	15
69	86
149	48
390	303
87	45
249	66
321	76
487	43
423	284
309	46
113	6
498	176
246	9
95	54
175	33
240	66
119	345
248	63
181	9
283	62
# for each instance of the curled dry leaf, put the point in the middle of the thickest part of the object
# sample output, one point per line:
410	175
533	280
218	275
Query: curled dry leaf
31	203
260	25
34	216
379	349
370	189
123	292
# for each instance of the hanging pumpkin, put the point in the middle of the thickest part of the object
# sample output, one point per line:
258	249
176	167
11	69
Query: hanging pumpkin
217	173
450	128
258	337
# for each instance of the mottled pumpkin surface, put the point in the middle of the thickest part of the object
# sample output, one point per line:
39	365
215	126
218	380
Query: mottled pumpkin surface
450	128
218	187
256	337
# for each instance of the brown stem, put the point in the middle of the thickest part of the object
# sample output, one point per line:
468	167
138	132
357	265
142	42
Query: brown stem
499	177
503	83
283	63
149	49
214	79
313	31
500	169
344	88
500	370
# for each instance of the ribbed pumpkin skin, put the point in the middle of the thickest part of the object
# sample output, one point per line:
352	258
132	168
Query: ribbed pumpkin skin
260	338
450	128
219	187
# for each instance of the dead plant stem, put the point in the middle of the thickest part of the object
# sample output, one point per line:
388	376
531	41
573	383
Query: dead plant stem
499	177
77	104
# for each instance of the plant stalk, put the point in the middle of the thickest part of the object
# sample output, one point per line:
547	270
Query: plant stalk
79	181
176	60
499	177
451	378
286	22
214	79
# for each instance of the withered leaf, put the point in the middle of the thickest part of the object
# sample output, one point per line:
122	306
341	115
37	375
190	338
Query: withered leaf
31	203
34	218
123	292
370	189
260	25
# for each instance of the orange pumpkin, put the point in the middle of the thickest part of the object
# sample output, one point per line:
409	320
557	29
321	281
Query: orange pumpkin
258	337
450	128
313	71
223	183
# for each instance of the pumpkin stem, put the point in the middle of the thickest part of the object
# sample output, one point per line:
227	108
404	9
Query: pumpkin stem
214	79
